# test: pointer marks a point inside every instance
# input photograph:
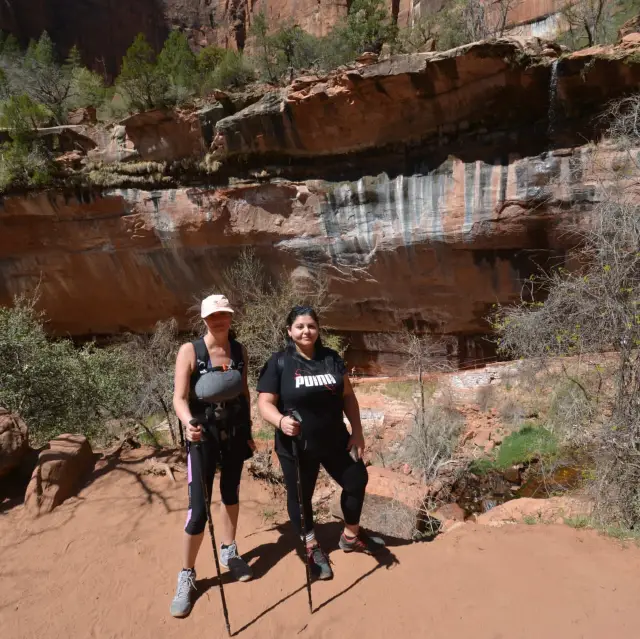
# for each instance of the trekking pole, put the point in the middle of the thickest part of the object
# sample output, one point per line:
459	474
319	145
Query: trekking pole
181	433
303	525
205	493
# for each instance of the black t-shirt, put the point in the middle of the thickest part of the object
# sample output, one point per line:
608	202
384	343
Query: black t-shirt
315	388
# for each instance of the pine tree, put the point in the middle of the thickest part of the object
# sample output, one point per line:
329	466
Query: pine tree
178	66
139	79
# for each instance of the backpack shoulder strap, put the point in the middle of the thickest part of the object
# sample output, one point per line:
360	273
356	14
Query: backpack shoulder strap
280	363
237	355
202	354
329	361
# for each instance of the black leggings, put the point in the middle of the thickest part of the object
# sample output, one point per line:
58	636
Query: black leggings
350	475
231	462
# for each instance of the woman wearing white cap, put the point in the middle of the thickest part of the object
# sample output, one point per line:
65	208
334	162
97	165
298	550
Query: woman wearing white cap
211	386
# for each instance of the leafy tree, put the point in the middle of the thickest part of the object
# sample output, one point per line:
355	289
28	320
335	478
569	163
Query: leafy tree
40	76
23	161
282	52
22	116
368	26
178	66
24	164
74	59
207	61
88	89
266	51
139	79
9	45
295	48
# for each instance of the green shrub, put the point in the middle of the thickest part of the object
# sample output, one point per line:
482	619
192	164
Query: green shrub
570	410
24	165
22	116
234	71
579	521
526	445
482	466
55	386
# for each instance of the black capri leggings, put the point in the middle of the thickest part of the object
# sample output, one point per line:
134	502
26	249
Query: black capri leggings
350	475
231	462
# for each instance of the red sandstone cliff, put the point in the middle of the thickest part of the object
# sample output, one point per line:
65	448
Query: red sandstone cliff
104	29
425	187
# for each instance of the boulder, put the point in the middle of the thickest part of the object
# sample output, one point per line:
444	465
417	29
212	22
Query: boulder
450	512
631	40
85	115
528	510
59	473
512	474
394	506
630	26
14	441
164	135
390	485
389	517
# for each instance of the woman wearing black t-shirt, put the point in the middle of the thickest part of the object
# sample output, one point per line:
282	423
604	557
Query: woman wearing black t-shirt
311	379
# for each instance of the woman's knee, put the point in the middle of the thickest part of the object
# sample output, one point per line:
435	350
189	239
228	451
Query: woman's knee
230	493
230	476
356	478
196	522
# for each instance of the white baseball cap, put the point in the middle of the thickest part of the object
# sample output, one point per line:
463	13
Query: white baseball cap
215	304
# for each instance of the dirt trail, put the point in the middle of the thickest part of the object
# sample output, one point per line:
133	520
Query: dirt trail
104	565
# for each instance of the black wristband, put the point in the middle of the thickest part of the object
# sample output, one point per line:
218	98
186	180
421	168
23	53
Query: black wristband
280	422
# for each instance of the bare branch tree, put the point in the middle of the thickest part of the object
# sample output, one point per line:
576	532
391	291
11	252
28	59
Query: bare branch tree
596	307
262	303
155	356
590	19
434	432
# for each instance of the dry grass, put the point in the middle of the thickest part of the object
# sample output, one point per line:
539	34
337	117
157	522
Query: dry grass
432	440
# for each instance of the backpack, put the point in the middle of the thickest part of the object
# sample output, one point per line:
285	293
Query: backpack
219	383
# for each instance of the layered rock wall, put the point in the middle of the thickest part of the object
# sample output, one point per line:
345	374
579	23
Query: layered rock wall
432	250
425	189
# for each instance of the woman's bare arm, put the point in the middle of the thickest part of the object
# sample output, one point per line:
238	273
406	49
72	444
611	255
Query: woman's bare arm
185	361
352	411
268	407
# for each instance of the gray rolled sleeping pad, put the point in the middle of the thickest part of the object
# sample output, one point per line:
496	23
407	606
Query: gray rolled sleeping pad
219	386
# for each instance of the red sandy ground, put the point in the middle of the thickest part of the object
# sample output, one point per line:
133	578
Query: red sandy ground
104	565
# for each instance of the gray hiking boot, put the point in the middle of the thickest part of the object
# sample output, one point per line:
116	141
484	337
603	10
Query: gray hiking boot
319	563
362	543
237	566
181	603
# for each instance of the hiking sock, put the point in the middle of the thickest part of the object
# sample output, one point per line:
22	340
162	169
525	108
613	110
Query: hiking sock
310	538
